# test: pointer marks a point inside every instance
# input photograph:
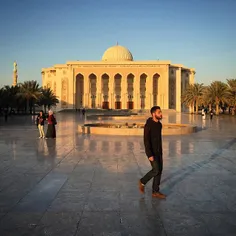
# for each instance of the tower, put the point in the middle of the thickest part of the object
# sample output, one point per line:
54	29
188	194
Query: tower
15	74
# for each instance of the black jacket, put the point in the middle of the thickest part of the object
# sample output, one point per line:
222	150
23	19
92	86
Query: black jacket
153	138
40	120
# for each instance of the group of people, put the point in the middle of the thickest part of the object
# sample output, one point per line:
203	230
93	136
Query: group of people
80	109
51	129
204	111
152	143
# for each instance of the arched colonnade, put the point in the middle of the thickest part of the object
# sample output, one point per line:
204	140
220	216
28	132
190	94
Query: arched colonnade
117	92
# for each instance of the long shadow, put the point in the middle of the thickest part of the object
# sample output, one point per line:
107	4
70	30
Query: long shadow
185	172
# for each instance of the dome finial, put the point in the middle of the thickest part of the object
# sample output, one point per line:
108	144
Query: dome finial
117	43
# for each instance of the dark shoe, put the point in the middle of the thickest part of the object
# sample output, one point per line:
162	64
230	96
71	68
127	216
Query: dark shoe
159	195
141	187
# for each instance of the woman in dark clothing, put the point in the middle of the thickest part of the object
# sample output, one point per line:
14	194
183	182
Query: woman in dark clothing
40	124
51	131
211	114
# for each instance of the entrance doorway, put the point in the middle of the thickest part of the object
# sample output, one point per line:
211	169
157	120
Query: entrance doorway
79	99
130	105
117	105
105	105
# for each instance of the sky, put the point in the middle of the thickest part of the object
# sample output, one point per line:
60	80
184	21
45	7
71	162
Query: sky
199	34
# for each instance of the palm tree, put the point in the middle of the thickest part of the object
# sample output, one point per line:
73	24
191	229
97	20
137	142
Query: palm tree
47	99
30	90
232	90
206	100
192	96
3	99
219	93
8	96
11	95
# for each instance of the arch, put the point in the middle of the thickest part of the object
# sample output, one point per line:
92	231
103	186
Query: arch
155	88
79	100
92	90
156	75
143	83
79	75
172	93
117	90
143	76
105	75
92	76
130	91
142	90
130	75
117	76
105	91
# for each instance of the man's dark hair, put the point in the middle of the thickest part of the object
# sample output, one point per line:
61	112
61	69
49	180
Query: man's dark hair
153	109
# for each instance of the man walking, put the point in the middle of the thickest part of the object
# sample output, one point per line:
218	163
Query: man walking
153	150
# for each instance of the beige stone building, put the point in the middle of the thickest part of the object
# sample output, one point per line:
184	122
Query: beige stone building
118	82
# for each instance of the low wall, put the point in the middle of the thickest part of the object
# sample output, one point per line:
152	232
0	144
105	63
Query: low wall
168	129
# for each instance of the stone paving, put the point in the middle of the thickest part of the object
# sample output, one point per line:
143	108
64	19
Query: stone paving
87	185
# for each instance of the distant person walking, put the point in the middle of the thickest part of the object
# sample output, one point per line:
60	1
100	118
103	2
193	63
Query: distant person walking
40	124
211	114
153	150
51	131
83	111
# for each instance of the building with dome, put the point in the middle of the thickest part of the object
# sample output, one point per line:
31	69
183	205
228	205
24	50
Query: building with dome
118	82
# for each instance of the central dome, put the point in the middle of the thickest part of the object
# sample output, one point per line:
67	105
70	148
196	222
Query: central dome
117	53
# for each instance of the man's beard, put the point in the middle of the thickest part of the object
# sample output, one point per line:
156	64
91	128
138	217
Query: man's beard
158	117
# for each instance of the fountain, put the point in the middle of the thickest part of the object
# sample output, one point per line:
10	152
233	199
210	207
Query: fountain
131	125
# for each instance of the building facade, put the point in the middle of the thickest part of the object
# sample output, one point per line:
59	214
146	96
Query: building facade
118	82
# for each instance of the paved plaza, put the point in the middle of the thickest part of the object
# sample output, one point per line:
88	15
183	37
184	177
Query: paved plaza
81	185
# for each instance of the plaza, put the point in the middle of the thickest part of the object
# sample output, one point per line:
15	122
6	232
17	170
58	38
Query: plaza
83	184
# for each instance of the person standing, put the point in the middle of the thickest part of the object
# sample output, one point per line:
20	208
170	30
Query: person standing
203	114
51	131
153	150
40	124
211	114
83	111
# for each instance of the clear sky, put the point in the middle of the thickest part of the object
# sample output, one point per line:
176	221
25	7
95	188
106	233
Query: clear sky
40	33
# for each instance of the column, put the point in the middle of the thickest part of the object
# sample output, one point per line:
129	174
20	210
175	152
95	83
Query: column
72	89
89	99
191	76
124	92
148	93
59	88
75	95
165	89
191	81
99	91
178	90
136	87
111	92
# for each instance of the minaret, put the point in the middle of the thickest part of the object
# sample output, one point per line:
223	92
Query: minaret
15	75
